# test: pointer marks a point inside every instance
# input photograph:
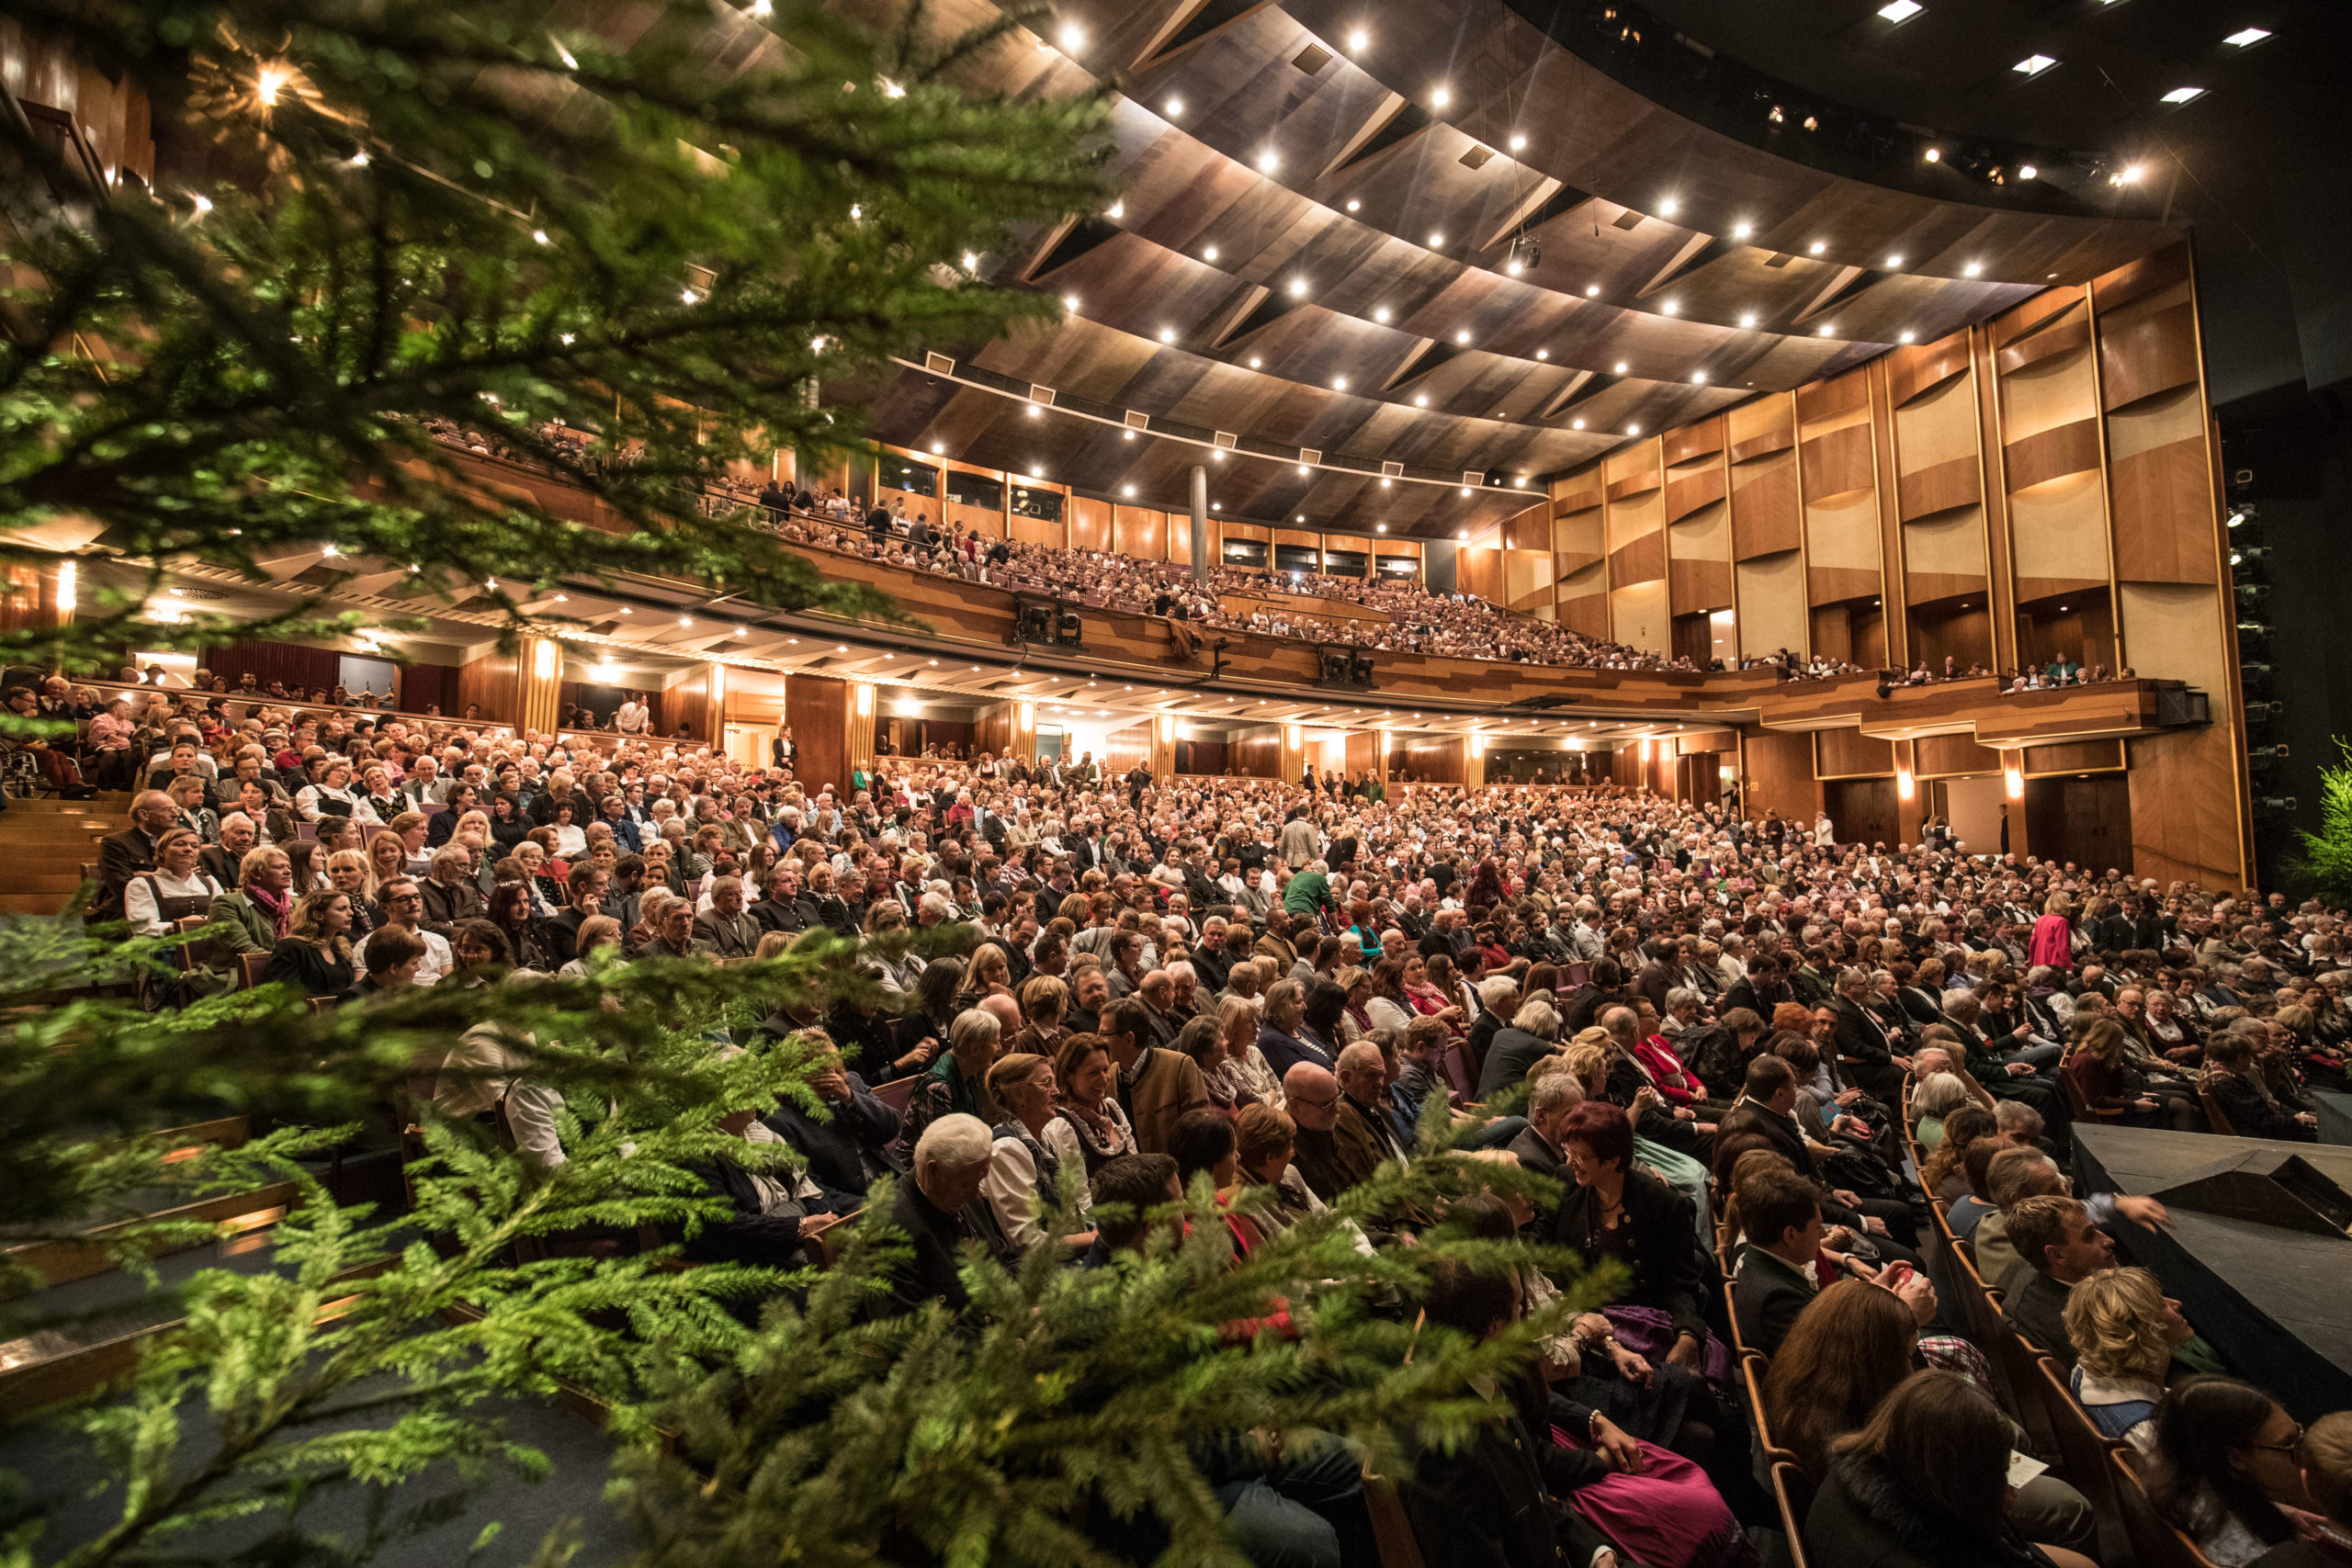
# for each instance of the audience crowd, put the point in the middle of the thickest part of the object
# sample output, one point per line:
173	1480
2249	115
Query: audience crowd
1754	1057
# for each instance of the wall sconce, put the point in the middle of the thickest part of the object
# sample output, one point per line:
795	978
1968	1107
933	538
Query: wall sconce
545	660
1168	727
1294	736
865	700
1906	786
1477	743
69	583
2013	780
1645	752
1028	711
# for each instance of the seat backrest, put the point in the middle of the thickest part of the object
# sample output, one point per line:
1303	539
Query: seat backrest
250	967
2215	1117
1580	974
1793	1493
1752	1369
1392	1528
2155	1542
1455	1063
2082	1446
898	1091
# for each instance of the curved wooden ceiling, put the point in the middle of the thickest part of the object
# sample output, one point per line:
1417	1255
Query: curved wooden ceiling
1316	247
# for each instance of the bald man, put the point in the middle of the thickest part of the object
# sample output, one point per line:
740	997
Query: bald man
1335	1148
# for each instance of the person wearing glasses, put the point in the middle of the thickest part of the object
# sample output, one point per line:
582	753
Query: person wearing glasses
403	904
2225	1470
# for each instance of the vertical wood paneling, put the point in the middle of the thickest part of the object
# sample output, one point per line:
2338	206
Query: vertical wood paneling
818	707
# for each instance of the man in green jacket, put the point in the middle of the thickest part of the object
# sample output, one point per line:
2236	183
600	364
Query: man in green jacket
1309	891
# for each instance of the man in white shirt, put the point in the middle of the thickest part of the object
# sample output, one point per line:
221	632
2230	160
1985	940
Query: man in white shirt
403	903
633	715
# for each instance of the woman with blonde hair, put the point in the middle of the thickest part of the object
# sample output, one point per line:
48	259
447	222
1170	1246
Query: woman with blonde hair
2124	1330
315	952
348	871
1244	1070
387	858
2054	935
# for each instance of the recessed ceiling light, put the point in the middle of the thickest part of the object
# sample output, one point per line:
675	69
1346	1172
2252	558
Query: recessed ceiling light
1209	254
1462	336
1217	506
1672	307
1300	518
1421	399
1894	261
1073	39
1974	269
1579	425
1826	329
1542	353
1338	383
1465	490
1741	231
1380	314
1518	143
1698	377
1933	155
1632	430
1900	11
1519	482
1267	162
1175	108
1298	288
1256	363
1126	490
1168	334
939	448
2028	171
1032	411
1592	291
1380	528
1621	367
2131	174
1441	96
1384	483
1437	241
1305	469
2246	38
1359	40
1906	335
1818	246
2183	95
1747	318
1667	206
1353	204
1118	209
2033	65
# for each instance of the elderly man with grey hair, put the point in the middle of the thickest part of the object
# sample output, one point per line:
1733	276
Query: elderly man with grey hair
1549	1101
940	1210
1533	1035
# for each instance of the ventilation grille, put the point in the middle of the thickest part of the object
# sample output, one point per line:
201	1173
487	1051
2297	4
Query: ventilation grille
1473	477
1041	394
1392	471
1477	157
1228	440
1137	420
1778	260
1309	454
1627	221
939	365
1311	59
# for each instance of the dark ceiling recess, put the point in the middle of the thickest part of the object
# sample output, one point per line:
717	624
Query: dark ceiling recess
1312	59
1410	120
1649	54
1075	242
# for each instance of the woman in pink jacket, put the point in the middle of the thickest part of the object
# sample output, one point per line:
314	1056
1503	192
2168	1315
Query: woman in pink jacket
2053	940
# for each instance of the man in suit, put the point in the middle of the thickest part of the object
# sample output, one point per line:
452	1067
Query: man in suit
1548	1104
1875	1066
1333	1155
1527	1039
727	931
1773	1279
940	1210
124	855
2053	1233
1767	1105
219	861
451	895
587	889
1363	1101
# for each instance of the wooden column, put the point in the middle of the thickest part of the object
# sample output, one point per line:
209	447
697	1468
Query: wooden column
1294	752
1473	762
857	739
539	675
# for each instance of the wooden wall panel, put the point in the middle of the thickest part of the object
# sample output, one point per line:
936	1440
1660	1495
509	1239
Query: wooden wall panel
1915	369
1427	758
688	704
1639	619
1122	749
1943	487
2070	756
2186	813
1583	601
1256	753
2153	352
1770	591
1777	774
490	681
1684	495
1141	532
1479	570
1837	463
2164	514
1699	586
1089	520
1952	756
818	707
1691	442
1764	514
1642	559
1848	753
2059	538
2054	453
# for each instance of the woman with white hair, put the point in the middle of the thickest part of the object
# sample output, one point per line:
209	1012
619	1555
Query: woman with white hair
1937	1096
1024	1169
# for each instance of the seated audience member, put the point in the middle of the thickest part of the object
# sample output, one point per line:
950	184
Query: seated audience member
2014	1176
314	955
2060	1247
1549	1101
1154	1085
2224	1468
1334	1152
1975	1202
851	1145
1938	1095
1777	1271
2236	1084
939	1211
2110	1080
2325	1455
1925	1484
1617	1212
1024	1174
391	958
773	1202
1515	1493
2123	1329
1533	1033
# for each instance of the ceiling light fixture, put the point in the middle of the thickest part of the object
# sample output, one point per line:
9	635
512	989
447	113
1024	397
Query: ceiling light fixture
1818	247
1542	353
2246	38
1175	108
1698	377
1974	269
1672	307
2184	95
1069	303
1441	96
1437	241
1826	330
1747	318
1906	335
1338	383
1933	155
1893	261
1305	469
1621	368
1578	426
1592	291
1298	288
1518	143
1421	399
2028	171
1353	204
1741	231
1359	40
2033	65
1267	162
1380	314
1632	430
1462	336
1118	209
1128	490
1168	334
1900	11
1256	363
1073	38
1209	254
1667	206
